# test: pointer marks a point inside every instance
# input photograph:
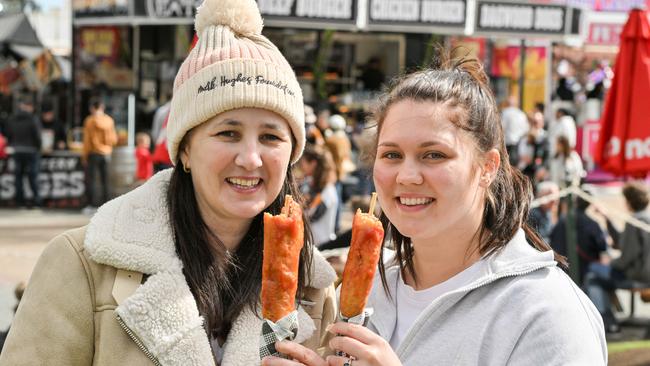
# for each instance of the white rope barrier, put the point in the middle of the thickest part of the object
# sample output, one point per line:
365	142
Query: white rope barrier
611	212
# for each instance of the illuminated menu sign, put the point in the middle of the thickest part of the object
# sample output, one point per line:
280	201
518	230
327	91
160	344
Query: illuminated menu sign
520	18
416	15
309	13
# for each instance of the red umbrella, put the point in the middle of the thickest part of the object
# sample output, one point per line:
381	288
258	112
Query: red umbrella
624	142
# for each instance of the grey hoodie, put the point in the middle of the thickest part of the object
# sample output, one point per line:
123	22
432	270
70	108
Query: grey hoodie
523	310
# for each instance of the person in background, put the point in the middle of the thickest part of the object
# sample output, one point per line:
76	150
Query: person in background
564	125
543	217
314	136
565	167
23	132
99	137
160	117
532	151
470	283
144	169
633	263
591	239
372	75
339	145
52	129
515	126
318	186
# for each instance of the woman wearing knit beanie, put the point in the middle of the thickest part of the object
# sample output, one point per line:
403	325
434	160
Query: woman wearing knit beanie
170	273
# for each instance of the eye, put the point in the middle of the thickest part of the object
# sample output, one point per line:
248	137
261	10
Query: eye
228	134
435	155
391	155
271	137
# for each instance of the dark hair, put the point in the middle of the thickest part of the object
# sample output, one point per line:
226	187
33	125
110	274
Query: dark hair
564	146
324	165
224	283
636	195
97	103
462	83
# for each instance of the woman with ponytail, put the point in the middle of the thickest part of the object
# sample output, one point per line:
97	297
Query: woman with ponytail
469	283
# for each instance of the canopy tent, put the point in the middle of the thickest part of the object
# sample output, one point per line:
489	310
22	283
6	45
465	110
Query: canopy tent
17	30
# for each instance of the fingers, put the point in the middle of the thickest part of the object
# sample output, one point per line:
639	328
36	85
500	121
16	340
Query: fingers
336	360
351	347
300	353
277	361
358	332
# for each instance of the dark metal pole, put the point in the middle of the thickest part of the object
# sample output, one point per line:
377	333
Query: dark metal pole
572	240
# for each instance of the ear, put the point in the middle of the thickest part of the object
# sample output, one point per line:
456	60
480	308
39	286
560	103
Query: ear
490	167
184	155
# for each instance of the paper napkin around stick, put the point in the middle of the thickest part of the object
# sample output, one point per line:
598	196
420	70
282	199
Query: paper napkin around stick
284	329
361	319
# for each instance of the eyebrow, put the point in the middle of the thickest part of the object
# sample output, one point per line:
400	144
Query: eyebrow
236	123
424	144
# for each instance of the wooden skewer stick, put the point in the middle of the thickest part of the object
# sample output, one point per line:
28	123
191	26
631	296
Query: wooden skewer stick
373	202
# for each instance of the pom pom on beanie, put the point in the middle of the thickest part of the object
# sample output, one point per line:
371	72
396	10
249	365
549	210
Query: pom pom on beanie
242	16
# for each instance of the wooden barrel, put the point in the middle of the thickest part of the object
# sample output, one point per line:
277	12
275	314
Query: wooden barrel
122	170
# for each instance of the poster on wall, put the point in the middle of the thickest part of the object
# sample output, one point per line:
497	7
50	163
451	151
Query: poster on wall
505	64
60	181
101	57
426	16
93	8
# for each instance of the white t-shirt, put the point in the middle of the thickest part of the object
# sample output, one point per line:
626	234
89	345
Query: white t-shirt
515	125
411	303
323	228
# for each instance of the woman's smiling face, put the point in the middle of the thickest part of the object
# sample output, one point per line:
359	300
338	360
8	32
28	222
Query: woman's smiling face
238	161
426	171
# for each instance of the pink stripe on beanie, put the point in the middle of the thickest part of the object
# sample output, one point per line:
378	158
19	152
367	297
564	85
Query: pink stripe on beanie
233	66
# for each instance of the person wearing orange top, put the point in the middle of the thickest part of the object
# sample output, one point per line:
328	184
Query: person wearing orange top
98	141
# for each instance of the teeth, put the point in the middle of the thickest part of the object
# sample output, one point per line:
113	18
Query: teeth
244	182
415	201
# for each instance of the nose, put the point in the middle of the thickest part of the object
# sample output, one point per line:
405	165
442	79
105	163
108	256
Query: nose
409	173
249	156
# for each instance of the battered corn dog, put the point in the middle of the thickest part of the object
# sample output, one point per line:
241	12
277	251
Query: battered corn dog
283	240
359	271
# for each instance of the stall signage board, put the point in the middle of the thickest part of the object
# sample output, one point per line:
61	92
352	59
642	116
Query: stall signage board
61	181
605	34
94	8
172	8
416	15
518	19
304	13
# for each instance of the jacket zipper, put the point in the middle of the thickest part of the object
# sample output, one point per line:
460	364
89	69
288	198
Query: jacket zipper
469	289
137	341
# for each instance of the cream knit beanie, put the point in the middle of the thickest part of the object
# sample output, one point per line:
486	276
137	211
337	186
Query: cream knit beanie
233	66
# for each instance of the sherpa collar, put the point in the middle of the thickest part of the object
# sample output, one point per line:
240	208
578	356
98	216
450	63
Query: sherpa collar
132	232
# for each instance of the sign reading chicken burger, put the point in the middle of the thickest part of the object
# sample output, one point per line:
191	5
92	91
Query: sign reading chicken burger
442	16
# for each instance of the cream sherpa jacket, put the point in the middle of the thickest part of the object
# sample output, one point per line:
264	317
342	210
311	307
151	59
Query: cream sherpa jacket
84	304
